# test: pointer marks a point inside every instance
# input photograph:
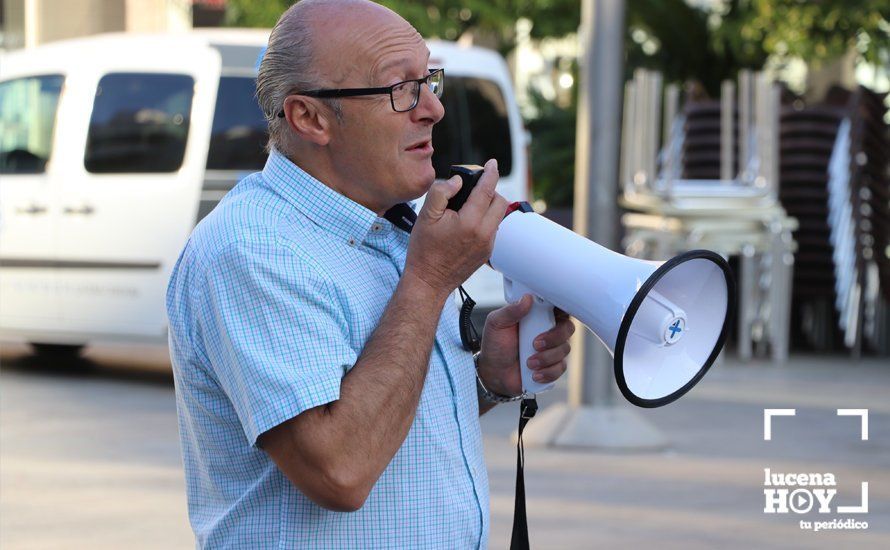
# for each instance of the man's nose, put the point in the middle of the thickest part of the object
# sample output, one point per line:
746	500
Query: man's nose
429	107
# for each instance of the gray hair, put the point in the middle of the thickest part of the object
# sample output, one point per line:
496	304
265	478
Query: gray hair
289	65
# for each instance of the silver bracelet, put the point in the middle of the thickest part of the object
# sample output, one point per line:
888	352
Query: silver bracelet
487	394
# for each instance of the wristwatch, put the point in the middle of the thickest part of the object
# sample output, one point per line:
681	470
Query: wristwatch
487	394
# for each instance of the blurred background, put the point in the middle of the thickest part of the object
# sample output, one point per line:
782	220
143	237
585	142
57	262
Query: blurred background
753	128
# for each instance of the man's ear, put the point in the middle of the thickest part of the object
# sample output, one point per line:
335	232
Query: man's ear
309	118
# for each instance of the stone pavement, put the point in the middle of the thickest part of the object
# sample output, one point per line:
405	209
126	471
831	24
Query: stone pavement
92	460
706	489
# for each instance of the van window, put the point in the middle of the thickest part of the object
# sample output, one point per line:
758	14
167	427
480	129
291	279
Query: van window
447	136
488	123
238	138
475	127
140	123
27	119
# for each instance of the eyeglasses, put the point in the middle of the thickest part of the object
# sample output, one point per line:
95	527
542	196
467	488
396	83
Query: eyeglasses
403	96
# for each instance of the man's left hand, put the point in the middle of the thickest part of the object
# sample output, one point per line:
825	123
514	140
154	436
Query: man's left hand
499	359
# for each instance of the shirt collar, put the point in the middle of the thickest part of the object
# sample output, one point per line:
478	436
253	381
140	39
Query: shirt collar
333	212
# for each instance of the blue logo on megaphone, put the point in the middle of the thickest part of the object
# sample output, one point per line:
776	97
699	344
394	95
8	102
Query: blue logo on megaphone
675	328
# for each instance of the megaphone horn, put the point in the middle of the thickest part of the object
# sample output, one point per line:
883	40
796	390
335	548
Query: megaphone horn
663	322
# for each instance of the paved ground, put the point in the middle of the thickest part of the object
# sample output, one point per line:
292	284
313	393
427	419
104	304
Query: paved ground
91	460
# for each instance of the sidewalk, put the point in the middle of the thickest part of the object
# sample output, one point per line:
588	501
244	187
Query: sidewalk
92	460
707	489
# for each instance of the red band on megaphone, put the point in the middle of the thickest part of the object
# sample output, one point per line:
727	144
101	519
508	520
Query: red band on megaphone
521	206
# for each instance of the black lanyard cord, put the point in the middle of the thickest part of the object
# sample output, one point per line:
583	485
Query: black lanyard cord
468	334
519	538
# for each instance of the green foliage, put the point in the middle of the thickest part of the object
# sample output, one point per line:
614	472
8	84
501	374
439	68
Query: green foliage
553	151
552	17
495	19
693	42
813	31
254	14
446	19
449	19
688	47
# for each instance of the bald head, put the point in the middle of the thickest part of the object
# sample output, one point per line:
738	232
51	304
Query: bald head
319	44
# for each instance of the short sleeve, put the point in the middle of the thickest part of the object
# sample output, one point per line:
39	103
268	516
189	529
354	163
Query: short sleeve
277	341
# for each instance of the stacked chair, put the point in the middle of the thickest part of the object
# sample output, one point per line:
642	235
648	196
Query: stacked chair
708	178
807	139
834	180
702	140
859	221
799	194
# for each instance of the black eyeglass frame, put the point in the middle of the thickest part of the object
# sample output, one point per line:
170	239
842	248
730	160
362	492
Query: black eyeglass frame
386	90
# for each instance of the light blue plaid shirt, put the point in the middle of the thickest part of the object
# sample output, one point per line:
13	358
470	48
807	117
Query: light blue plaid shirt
270	304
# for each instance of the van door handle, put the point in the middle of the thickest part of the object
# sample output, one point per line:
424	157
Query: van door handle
33	209
84	210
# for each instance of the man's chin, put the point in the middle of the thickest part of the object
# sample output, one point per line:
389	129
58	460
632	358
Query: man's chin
415	195
424	183
423	177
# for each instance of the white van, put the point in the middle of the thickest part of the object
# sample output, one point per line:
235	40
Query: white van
113	147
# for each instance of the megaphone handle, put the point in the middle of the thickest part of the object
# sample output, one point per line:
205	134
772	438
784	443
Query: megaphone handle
539	320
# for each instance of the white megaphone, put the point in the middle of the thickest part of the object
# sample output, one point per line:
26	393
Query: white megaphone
663	322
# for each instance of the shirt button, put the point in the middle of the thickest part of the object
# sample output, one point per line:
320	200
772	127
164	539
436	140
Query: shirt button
375	227
351	241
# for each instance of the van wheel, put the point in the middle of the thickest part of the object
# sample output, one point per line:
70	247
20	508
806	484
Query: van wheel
58	351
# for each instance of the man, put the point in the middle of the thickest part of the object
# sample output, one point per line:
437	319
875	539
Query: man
324	397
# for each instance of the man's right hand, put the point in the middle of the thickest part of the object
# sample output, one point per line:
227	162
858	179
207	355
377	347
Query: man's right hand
446	247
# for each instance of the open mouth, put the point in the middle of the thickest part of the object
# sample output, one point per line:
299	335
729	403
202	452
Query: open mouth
422	146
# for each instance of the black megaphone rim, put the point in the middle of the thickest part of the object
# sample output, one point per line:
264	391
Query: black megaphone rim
637	301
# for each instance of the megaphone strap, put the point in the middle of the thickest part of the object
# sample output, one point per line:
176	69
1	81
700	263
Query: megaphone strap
519	537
